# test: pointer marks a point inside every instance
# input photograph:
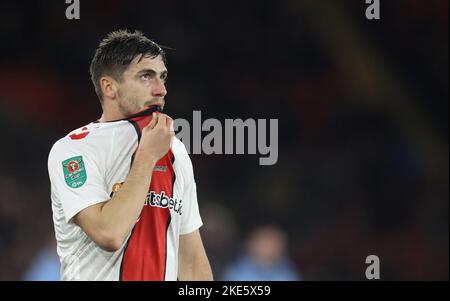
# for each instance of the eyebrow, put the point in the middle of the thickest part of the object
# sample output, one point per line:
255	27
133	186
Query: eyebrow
152	72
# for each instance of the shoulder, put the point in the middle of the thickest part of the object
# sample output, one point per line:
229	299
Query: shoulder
178	148
182	160
90	140
181	155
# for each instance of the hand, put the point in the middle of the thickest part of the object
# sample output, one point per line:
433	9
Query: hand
157	137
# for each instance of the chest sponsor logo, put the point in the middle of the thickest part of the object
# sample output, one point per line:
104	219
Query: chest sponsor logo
163	201
156	200
74	172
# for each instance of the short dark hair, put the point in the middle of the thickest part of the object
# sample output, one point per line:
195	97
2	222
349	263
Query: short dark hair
115	53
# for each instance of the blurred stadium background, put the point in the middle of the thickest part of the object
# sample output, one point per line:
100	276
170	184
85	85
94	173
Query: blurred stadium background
363	129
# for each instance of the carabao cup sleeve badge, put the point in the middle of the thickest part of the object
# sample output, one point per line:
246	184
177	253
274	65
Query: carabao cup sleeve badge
74	171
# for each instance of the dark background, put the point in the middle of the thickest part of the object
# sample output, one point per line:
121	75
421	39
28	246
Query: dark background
363	123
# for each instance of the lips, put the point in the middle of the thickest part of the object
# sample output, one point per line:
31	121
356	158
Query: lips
158	103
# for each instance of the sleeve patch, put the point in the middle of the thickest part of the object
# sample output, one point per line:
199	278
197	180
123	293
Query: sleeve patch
74	172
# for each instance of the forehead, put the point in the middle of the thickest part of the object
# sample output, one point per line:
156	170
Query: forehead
139	63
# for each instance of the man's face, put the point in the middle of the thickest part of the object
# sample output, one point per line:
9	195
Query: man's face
142	85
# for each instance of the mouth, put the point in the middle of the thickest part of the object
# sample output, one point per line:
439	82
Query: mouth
158	103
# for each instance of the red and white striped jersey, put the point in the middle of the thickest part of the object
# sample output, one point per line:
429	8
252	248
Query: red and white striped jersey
87	167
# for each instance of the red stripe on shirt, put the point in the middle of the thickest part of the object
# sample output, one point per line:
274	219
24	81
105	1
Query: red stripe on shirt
145	254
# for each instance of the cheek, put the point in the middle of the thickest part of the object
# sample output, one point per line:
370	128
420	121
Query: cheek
145	87
137	94
140	87
130	91
137	90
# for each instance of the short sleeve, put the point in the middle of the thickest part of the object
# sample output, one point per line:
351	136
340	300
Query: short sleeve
76	177
190	217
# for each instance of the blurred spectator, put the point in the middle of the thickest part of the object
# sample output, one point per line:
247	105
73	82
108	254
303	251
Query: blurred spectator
45	266
265	258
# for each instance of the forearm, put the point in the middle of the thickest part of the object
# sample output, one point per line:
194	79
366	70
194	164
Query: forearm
121	212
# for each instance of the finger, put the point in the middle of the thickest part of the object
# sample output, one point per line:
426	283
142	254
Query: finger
154	120
170	124
168	119
161	121
172	135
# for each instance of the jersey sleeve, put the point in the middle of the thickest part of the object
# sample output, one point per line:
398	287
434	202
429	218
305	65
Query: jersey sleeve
190	217
76	176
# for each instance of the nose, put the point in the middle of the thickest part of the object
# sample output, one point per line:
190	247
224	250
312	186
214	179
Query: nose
159	90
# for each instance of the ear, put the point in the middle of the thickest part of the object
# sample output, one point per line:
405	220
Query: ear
109	87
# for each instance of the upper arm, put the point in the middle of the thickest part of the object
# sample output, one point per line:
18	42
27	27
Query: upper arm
193	262
76	177
78	184
190	241
191	245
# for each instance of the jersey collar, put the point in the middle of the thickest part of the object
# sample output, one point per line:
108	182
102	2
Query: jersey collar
147	111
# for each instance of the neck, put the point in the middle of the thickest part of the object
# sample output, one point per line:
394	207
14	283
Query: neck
106	117
110	113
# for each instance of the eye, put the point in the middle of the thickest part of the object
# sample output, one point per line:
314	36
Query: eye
145	76
164	77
